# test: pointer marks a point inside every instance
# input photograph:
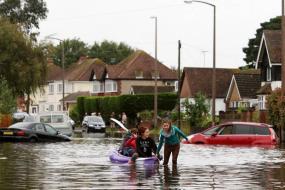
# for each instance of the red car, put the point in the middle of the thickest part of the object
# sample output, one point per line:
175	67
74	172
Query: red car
236	133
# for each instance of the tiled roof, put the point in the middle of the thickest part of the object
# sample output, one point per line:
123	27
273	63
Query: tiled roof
200	80
248	84
140	61
84	70
273	42
54	72
265	89
73	97
150	89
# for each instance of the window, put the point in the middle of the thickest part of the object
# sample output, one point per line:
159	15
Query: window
243	129
59	88
261	102
227	130
261	130
39	128
50	89
211	131
45	119
51	108
268	73
57	119
110	86
50	130
34	110
153	75
139	74
58	107
98	87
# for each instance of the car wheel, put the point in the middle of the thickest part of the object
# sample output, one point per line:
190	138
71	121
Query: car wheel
33	139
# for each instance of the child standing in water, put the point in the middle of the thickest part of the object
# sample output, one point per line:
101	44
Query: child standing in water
145	145
170	136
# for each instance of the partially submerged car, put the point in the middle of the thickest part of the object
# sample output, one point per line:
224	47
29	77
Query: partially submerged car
236	133
94	124
31	132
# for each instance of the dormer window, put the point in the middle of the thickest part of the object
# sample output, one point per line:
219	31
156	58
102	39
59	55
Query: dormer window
153	75
268	74
139	74
107	76
94	77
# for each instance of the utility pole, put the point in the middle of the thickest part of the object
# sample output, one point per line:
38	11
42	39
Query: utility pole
179	82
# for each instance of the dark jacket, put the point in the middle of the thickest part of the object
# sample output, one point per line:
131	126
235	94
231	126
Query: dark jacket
145	147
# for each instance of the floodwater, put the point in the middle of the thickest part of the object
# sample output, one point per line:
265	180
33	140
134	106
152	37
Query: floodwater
84	164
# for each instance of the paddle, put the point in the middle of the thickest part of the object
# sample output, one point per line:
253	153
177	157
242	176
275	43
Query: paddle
120	124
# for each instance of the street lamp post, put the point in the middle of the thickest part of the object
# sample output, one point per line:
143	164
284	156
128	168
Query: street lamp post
62	65
214	58
155	74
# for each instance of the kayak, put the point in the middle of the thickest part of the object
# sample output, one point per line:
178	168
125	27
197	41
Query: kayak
116	157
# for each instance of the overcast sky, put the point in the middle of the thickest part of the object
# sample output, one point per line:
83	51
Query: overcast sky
129	21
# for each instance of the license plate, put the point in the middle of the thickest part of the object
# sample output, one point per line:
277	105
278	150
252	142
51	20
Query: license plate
7	133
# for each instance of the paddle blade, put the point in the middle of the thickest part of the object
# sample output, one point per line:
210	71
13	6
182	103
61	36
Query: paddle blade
120	124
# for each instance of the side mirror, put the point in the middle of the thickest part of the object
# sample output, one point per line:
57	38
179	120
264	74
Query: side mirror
214	134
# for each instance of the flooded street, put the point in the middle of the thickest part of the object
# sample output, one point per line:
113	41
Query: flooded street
84	164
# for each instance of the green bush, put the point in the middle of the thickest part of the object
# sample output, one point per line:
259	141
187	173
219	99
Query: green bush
130	104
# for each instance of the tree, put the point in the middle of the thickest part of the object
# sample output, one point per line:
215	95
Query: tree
7	100
22	61
24	12
110	52
73	50
276	108
253	44
197	111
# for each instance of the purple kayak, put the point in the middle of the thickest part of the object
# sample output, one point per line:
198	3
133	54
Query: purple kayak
116	157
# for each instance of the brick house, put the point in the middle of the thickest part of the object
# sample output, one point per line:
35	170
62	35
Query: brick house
91	76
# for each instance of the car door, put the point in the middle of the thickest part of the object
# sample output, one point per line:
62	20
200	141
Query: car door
52	134
40	131
243	134
223	136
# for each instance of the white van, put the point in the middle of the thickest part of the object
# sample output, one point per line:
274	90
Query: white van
59	120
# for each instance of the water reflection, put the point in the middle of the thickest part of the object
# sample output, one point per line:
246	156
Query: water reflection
84	164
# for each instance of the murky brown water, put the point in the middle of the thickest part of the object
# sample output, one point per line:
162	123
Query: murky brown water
84	164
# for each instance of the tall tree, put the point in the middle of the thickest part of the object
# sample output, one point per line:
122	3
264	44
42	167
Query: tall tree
7	100
73	50
110	52
22	61
253	44
28	13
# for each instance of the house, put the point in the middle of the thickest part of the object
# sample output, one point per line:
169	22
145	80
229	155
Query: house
196	80
93	77
269	63
242	91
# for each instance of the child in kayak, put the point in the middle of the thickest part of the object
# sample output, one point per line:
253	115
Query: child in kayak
130	145
127	147
169	134
145	145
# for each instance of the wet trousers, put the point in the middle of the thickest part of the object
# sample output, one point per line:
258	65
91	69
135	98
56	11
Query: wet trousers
168	149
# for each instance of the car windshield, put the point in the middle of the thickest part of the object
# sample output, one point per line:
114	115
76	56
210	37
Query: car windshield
211	131
95	119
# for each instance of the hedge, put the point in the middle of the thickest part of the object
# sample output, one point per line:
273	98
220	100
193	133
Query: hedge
130	104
